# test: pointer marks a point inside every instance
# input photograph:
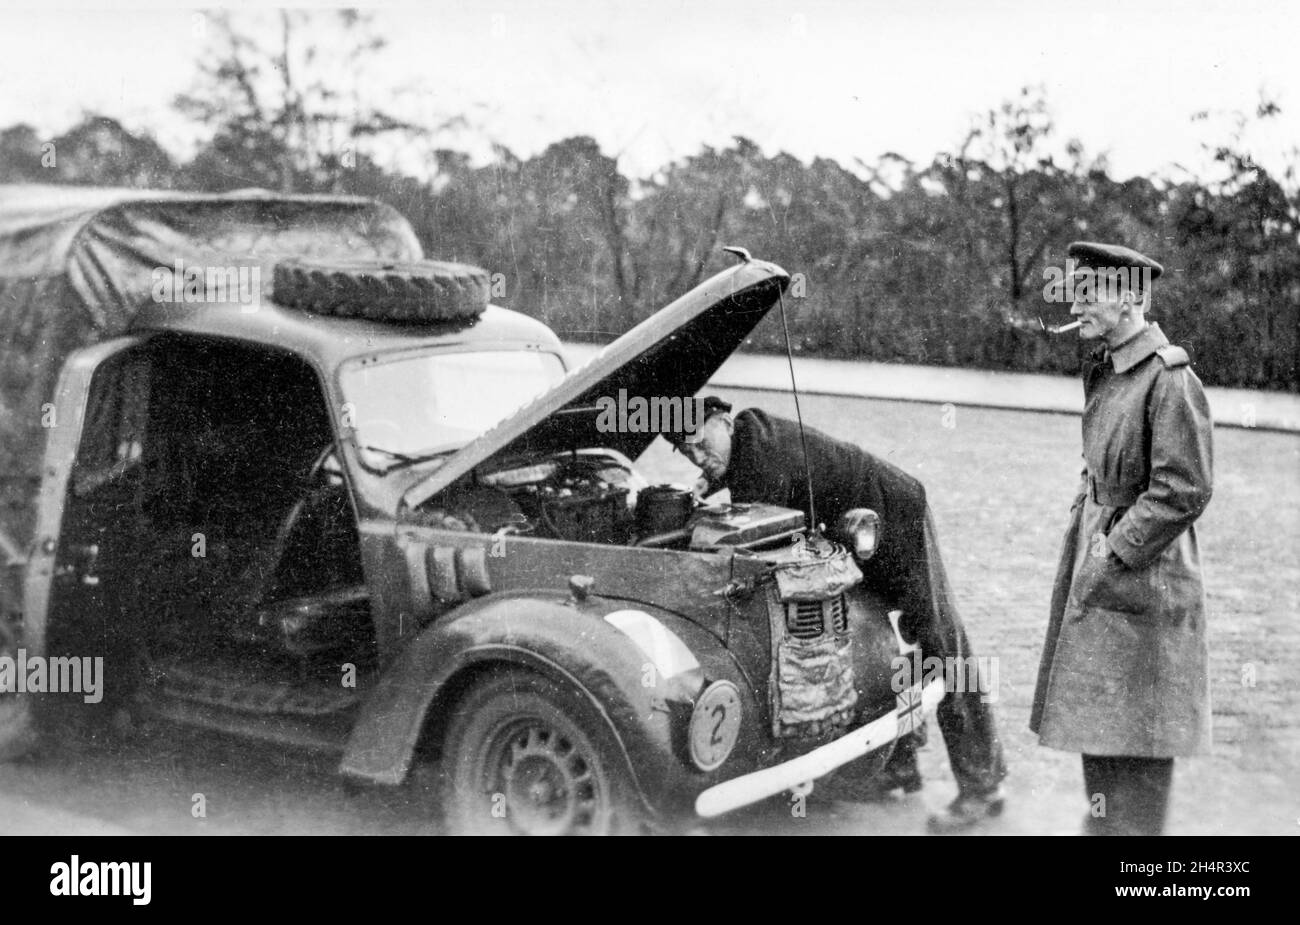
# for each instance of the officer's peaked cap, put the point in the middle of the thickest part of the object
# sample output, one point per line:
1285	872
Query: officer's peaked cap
1105	258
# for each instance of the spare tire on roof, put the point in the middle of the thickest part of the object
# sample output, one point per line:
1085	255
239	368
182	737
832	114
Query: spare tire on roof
419	291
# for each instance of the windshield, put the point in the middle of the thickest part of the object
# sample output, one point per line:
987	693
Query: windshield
417	406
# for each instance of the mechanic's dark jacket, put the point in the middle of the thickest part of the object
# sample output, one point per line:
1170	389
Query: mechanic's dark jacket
1125	666
767	465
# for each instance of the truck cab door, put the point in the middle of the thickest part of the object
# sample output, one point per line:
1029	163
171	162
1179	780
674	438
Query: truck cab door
84	421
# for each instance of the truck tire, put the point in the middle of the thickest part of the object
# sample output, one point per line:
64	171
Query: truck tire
523	755
419	292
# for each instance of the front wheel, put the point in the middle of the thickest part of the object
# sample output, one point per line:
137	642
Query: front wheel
526	756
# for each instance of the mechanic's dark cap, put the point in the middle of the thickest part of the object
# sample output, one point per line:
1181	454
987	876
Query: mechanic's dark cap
711	405
1091	257
714	405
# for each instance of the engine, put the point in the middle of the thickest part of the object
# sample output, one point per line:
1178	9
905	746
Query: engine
582	497
597	497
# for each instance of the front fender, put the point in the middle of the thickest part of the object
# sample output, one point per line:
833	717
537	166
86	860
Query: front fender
642	679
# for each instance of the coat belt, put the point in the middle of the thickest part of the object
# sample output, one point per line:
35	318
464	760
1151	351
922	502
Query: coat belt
1114	495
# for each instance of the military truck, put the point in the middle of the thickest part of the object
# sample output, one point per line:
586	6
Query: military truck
346	504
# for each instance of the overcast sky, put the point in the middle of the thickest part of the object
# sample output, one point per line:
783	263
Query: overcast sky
652	81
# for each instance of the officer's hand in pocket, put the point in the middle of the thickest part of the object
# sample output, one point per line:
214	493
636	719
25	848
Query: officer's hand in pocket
1105	582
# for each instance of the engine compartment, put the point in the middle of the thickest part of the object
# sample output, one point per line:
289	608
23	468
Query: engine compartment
596	496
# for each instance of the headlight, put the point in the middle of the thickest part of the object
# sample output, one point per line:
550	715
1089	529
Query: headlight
860	530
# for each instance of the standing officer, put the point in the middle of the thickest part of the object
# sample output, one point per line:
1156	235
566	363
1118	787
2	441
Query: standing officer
760	457
1124	672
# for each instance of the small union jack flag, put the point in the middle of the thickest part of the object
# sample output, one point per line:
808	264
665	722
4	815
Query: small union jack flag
910	715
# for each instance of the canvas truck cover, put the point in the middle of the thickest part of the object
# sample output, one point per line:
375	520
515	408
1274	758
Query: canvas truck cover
77	263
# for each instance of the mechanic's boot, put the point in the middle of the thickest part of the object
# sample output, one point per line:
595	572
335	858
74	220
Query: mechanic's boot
967	811
905	776
900	773
896	775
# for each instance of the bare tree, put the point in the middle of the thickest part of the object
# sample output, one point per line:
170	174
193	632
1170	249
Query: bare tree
282	110
1006	168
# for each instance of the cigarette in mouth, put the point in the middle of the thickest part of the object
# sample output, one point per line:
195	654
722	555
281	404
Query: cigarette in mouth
1065	327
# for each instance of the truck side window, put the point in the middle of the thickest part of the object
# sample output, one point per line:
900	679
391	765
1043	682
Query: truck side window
113	438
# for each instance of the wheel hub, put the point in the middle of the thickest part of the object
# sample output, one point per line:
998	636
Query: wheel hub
549	786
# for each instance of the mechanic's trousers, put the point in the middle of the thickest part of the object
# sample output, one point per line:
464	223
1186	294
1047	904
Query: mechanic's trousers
911	566
1127	796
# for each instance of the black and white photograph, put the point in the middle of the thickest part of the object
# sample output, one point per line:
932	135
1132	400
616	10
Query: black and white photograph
750	418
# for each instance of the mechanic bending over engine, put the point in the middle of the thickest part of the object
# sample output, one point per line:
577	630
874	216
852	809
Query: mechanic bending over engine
760	458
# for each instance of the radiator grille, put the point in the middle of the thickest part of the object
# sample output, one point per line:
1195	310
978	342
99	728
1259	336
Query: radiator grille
810	619
838	615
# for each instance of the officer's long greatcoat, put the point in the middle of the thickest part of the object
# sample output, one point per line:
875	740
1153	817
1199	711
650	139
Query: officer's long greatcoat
1125	666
